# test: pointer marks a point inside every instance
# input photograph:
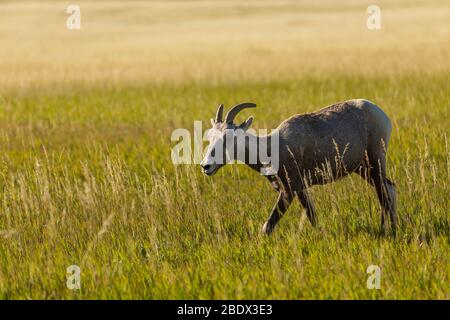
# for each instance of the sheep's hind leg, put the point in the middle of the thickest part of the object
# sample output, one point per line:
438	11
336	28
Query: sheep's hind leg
387	196
308	204
282	204
380	189
385	189
392	194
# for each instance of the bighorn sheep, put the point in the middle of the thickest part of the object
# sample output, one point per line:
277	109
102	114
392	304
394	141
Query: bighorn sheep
317	148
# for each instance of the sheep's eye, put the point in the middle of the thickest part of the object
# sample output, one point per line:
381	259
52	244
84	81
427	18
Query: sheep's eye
213	152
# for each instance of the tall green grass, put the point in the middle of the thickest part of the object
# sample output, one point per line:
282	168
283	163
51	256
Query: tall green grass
86	178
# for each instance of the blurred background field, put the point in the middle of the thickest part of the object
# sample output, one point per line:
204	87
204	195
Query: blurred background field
86	176
178	41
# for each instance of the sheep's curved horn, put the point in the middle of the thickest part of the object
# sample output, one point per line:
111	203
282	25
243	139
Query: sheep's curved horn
219	113
236	109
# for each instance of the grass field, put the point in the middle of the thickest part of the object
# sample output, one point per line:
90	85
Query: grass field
86	176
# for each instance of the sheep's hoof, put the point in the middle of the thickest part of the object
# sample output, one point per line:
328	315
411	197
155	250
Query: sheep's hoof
267	228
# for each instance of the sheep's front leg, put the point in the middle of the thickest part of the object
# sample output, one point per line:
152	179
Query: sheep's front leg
282	204
308	204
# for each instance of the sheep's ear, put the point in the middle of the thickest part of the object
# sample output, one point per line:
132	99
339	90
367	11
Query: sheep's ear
246	124
213	122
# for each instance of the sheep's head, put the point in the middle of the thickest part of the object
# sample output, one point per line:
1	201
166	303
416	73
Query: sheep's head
219	138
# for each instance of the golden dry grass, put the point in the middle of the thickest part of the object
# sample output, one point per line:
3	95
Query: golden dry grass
176	41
